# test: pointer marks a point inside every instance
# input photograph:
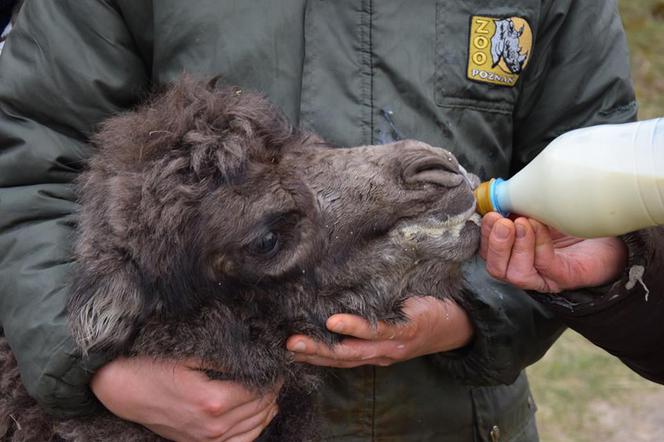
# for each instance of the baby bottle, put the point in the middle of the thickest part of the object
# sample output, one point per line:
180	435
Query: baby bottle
597	181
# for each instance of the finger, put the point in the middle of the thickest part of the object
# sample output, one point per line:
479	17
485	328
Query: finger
232	412
253	426
360	328
368	352
253	433
351	325
521	271
223	397
277	387
499	250
349	350
249	437
544	249
301	344
327	362
244	416
338	363
488	221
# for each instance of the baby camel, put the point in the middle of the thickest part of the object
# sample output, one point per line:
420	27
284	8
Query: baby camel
211	230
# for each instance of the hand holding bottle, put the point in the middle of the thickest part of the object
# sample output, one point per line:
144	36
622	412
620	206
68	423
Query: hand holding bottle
533	256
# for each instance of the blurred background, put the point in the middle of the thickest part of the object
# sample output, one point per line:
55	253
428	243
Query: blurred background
582	393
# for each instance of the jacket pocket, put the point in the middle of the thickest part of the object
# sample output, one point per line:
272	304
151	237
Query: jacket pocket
505	413
468	79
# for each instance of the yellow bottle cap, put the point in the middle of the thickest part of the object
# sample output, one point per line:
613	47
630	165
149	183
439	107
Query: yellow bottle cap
483	198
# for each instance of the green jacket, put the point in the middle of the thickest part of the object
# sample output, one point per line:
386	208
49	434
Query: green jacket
355	71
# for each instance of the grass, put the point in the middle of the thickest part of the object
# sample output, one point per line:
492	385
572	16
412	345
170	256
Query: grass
583	393
576	385
644	23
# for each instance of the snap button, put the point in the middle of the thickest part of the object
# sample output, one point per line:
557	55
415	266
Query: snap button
495	433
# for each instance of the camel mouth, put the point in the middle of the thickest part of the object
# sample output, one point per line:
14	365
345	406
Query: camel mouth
434	227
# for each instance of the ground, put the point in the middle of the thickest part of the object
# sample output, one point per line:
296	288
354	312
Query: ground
583	394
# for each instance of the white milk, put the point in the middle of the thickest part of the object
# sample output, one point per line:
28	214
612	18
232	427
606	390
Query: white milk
597	181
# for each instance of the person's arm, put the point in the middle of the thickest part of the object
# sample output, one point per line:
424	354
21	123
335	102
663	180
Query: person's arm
67	66
621	311
578	76
626	317
64	68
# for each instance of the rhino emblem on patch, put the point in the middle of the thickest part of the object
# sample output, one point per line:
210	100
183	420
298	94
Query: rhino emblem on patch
505	45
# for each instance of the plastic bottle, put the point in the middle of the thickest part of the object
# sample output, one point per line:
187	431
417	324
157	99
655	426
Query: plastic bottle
597	181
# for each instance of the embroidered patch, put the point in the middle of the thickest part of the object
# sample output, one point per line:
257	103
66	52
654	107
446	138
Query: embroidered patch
499	49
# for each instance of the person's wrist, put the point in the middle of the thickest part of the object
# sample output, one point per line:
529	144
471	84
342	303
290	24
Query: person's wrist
620	262
104	385
456	330
100	379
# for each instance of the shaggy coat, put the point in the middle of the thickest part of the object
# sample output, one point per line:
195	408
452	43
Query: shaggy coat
210	229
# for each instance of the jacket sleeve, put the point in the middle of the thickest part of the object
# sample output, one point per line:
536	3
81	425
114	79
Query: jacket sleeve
66	66
512	331
627	317
578	76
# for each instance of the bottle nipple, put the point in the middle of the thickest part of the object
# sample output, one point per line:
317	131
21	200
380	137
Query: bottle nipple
487	199
483	198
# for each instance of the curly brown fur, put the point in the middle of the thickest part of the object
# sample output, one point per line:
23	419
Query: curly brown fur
21	419
210	229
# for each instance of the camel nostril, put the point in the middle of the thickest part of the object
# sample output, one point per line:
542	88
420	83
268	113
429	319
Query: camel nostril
434	170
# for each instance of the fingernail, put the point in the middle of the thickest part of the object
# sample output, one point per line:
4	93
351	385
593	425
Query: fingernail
501	231
299	346
520	231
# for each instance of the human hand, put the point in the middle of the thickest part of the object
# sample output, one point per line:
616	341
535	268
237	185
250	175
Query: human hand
180	403
433	326
533	256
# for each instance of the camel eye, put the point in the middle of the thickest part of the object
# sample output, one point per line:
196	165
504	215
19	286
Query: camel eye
268	244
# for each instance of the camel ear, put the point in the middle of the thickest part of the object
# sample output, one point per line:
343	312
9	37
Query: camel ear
105	310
